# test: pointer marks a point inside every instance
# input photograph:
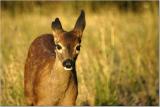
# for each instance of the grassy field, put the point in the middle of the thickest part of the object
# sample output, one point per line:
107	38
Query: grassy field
118	62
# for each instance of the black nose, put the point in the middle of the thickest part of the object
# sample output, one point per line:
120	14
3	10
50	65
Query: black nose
68	63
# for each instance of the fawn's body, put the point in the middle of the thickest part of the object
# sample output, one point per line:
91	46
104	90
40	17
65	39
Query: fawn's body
50	72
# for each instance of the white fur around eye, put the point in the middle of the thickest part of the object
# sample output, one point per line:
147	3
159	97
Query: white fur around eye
60	50
77	51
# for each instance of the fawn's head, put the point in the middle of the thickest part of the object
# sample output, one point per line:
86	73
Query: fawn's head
68	43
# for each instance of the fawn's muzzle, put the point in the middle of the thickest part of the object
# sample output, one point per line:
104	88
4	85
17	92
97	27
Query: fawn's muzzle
68	64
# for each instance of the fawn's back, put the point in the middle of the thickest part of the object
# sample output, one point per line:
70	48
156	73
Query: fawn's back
50	72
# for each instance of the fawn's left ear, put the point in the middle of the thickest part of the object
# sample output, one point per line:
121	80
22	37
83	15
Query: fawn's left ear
56	27
80	24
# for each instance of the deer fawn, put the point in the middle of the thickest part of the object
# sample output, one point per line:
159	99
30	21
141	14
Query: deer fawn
50	72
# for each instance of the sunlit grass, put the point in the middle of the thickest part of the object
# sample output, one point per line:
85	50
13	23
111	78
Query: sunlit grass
117	65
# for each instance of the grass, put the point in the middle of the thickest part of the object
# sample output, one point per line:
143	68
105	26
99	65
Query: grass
118	62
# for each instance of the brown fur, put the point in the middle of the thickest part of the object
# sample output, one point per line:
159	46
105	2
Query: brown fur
42	81
46	82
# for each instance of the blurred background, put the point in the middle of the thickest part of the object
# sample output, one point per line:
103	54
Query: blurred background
118	62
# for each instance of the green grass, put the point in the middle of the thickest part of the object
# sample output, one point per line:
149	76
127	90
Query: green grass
118	62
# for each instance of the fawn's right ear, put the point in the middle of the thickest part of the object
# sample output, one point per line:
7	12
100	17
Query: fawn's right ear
80	24
56	27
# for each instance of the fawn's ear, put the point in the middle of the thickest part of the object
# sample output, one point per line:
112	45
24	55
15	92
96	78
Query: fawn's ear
56	27
80	24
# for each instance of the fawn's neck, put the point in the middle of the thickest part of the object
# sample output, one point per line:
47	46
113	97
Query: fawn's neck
63	74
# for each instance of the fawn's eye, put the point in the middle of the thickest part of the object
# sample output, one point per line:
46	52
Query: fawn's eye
78	47
58	47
